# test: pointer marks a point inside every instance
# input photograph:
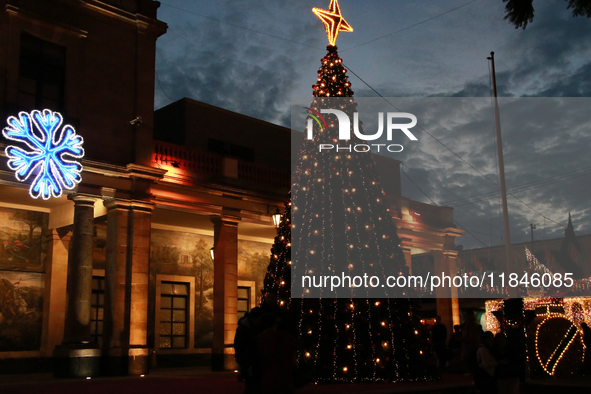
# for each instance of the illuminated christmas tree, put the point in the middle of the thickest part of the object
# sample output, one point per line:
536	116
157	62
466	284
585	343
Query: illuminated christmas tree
277	283
341	217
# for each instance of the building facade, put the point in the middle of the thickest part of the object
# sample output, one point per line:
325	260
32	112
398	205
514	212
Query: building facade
160	248
83	274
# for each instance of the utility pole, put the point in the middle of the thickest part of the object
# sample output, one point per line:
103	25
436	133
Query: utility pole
509	263
532	228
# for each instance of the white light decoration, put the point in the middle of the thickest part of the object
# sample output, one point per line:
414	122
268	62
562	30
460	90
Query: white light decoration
549	312
52	155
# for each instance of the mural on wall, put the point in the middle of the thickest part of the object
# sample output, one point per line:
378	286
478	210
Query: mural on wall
253	259
21	236
21	310
187	254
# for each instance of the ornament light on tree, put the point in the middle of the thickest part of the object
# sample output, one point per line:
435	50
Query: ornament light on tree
333	21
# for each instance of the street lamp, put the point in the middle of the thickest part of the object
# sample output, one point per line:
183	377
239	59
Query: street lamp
277	218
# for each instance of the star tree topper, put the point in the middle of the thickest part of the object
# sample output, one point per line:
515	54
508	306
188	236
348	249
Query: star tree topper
333	21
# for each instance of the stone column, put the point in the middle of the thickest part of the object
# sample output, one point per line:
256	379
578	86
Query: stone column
225	291
126	286
452	259
79	357
447	299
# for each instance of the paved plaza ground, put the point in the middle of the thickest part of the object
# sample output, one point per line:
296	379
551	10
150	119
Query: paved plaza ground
201	380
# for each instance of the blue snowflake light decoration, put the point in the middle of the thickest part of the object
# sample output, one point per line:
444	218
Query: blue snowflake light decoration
52	153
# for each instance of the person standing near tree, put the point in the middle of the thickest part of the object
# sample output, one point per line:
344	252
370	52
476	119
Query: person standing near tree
246	352
439	339
455	347
278	352
484	376
471	332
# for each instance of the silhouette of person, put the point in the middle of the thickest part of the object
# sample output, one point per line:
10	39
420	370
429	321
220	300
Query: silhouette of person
454	348
439	339
507	372
471	332
278	351
484	376
246	352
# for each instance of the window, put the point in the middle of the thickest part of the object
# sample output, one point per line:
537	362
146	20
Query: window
243	300
97	309
42	74
174	301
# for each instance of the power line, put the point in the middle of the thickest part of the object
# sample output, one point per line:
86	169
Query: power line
452	152
446	188
434	203
309	45
411	26
417	186
375	91
470	233
160	86
524	187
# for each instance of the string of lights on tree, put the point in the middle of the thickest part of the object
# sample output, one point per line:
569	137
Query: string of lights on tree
278	277
338	202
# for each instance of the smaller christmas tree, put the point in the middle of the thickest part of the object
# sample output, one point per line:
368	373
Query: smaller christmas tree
277	283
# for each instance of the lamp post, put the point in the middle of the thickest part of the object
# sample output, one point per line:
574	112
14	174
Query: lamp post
510	263
277	218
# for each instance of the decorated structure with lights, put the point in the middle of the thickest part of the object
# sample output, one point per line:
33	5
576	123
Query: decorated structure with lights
160	211
52	155
344	339
277	283
554	334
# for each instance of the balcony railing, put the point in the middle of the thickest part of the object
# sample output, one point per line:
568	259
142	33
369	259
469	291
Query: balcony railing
188	159
200	164
263	175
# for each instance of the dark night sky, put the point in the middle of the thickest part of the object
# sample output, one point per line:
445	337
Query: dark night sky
253	56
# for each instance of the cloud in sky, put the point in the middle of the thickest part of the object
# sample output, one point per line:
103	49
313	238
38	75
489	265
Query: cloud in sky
249	73
257	74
